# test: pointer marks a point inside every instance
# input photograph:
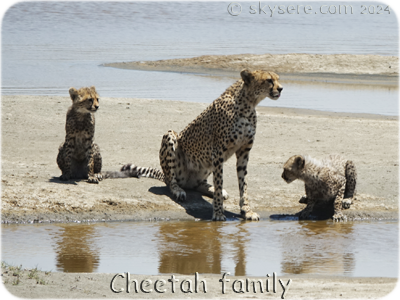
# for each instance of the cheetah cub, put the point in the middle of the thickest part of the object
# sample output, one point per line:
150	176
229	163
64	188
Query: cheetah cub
333	178
78	157
226	127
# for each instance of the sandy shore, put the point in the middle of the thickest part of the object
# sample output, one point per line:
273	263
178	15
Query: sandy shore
337	68
38	284
130	130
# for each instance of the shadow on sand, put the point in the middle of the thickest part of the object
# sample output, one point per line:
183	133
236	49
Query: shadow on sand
195	205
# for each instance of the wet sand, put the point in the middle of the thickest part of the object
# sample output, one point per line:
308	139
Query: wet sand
336	68
129	130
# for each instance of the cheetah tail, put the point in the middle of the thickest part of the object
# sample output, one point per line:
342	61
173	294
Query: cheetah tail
130	170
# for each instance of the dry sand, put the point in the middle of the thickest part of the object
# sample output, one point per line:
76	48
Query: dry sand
130	130
338	68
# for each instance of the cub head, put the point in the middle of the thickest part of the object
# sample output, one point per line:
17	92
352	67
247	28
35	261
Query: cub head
85	99
292	168
264	84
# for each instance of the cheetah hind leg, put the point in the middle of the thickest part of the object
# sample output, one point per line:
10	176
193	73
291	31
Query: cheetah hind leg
208	190
351	181
168	163
346	203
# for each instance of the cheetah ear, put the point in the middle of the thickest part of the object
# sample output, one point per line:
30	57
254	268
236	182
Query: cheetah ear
73	93
300	161
246	76
93	89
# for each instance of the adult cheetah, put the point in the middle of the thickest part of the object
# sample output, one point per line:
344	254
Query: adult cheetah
333	178
224	128
78	157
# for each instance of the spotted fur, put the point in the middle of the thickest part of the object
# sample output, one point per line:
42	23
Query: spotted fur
333	178
79	157
224	128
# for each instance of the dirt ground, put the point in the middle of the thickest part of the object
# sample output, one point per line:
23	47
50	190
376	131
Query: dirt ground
339	68
130	130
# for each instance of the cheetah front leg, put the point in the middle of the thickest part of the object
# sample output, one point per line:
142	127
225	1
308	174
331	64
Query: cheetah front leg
337	205
305	213
242	158
94	164
168	162
64	159
218	206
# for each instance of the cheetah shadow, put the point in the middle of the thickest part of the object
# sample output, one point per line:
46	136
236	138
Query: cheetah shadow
195	205
321	211
56	179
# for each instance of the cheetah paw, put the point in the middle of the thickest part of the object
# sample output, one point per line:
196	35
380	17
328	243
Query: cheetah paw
338	217
219	217
180	196
346	203
250	215
65	177
93	179
303	200
303	215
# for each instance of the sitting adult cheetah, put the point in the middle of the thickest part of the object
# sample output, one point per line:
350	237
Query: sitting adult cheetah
226	127
333	178
78	157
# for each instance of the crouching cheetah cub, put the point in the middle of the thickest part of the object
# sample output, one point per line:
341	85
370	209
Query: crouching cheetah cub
333	178
78	157
226	127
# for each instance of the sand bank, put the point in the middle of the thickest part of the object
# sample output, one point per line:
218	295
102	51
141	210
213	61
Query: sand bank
130	130
337	68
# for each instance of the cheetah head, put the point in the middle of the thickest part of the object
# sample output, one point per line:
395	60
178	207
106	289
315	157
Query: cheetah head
85	100
263	84
293	168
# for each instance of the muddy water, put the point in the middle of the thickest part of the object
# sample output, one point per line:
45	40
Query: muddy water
367	249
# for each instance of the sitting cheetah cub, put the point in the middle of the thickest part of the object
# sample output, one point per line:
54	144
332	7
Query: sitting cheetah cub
328	179
226	127
78	157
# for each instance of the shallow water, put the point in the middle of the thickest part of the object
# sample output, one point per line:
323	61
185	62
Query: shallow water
366	249
48	47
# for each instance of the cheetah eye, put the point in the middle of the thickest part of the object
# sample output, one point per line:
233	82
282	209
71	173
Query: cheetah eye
90	100
270	81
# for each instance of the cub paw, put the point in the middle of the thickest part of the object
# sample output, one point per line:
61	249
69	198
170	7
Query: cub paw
303	200
250	215
304	215
65	177
93	179
99	176
339	217
346	203
219	217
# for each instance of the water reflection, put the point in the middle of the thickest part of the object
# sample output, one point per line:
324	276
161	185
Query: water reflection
75	249
185	247
316	246
188	247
